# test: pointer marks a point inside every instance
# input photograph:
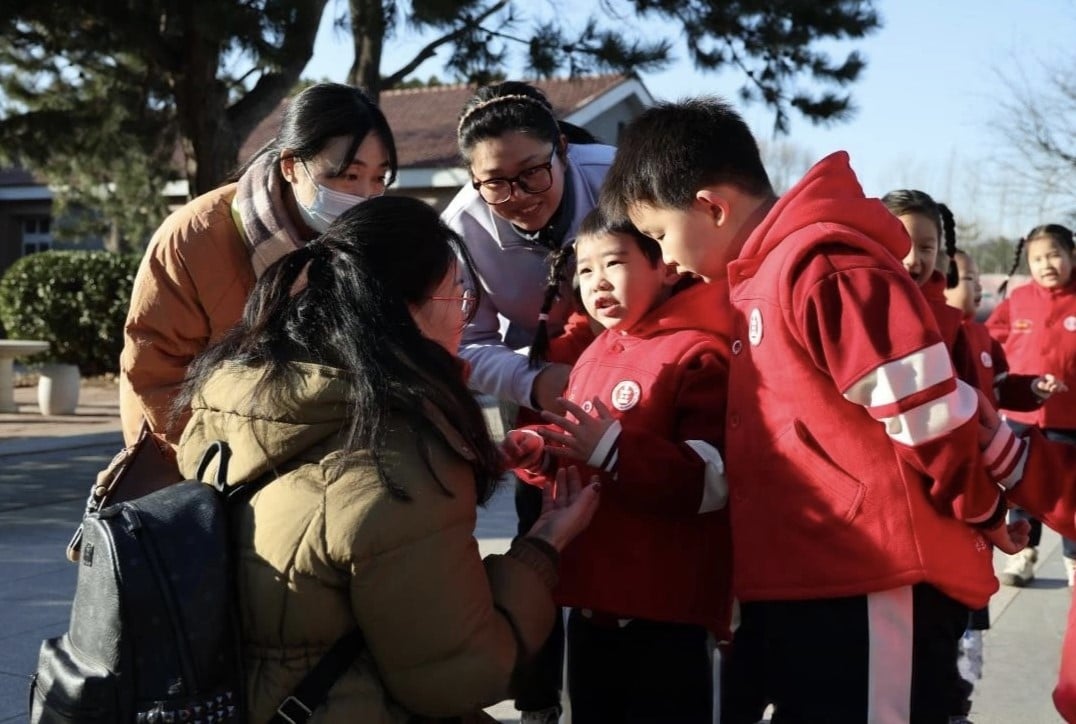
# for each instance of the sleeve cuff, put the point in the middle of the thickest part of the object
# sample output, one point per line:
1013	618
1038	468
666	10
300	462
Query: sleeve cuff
537	555
1005	457
995	518
604	456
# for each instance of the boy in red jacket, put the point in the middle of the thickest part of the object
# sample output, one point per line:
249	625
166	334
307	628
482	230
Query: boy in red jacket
858	499
648	582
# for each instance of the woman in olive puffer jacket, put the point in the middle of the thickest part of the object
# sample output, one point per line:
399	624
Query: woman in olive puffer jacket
341	382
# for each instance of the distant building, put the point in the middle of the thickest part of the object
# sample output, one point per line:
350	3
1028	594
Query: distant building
423	121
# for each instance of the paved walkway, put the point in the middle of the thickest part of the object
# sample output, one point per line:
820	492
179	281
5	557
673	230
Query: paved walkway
46	465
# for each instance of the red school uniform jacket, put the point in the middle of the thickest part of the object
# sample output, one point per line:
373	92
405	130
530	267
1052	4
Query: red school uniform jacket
1037	328
991	371
1041	477
948	318
658	545
853	461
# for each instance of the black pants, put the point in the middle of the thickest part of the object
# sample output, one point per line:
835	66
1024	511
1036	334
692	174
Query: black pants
889	656
645	672
538	683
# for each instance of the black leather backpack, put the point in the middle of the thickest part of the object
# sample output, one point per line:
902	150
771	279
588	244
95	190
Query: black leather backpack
154	634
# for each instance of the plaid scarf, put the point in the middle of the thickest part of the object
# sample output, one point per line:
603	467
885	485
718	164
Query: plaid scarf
261	215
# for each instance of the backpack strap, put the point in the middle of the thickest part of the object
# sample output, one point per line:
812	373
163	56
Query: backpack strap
215	449
313	690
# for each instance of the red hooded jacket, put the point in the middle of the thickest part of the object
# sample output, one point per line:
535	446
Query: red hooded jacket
853	460
658	546
1037	328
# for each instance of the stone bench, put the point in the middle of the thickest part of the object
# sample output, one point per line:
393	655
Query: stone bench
9	350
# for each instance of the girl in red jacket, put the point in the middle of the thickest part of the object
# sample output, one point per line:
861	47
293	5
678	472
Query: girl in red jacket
1036	325
650	582
1015	392
922	218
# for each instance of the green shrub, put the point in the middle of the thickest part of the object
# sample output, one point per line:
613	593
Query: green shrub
74	300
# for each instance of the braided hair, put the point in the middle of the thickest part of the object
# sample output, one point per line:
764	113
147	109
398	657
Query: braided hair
558	265
1061	234
952	275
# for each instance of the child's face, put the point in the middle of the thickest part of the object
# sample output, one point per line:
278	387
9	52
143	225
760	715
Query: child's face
618	284
689	238
923	255
1050	263
967	294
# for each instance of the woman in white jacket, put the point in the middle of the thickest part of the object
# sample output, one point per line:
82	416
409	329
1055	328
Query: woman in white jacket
533	180
530	189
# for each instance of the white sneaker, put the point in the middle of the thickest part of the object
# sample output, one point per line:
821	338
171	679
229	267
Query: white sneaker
1020	569
1070	570
970	661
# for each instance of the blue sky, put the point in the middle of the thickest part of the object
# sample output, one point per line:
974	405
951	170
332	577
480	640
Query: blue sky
928	99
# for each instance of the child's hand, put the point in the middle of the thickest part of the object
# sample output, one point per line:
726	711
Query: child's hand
581	434
522	449
1047	385
1011	538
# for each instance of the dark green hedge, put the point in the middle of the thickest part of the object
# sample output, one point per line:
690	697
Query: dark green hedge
75	300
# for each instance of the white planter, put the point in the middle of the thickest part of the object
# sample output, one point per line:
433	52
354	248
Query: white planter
57	389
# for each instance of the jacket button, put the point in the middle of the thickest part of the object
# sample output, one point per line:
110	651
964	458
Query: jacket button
734	419
737	346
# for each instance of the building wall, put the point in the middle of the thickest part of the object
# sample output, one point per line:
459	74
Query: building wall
12	215
606	126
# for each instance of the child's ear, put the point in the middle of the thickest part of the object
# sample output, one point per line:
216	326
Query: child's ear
713	203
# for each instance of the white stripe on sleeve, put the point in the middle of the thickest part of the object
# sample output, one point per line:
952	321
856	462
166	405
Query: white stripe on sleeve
893	381
598	458
933	419
715	489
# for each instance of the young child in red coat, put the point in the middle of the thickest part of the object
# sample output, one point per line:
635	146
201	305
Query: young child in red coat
1001	388
1036	325
648	582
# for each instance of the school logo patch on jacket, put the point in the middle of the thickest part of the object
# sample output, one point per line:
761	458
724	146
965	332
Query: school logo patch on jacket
1070	323
754	327
986	359
626	395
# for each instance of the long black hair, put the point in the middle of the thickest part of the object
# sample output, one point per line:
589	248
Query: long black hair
343	301
320	113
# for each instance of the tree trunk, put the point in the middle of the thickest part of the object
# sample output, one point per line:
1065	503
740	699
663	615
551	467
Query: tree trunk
368	34
201	104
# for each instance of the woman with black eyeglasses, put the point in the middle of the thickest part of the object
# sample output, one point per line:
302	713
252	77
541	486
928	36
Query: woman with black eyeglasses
533	179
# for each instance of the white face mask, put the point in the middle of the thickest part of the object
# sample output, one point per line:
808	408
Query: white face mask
326	206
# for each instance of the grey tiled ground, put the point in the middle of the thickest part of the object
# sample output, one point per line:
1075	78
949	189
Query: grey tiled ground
42	494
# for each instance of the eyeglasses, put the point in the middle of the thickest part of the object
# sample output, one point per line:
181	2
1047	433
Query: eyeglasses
465	300
533	180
